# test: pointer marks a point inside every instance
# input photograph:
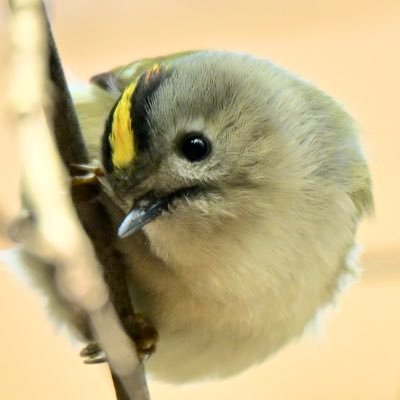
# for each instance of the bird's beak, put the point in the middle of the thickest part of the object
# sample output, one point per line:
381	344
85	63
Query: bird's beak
143	211
149	207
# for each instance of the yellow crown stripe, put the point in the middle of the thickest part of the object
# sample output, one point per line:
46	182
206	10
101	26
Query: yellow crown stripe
122	138
154	70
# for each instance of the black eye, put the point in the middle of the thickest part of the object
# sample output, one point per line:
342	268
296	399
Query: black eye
195	147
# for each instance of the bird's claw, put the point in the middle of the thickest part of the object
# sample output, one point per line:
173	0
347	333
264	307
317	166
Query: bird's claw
139	329
142	333
93	354
91	177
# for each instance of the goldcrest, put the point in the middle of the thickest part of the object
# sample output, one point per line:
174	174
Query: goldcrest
242	187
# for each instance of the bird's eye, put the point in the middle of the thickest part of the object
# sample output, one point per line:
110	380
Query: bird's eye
195	147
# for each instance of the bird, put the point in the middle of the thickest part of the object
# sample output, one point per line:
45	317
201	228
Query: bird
241	187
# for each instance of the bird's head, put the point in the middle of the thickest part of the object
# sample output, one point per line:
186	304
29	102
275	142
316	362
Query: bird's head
209	137
184	140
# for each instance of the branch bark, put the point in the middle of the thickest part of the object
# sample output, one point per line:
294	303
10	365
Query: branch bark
57	235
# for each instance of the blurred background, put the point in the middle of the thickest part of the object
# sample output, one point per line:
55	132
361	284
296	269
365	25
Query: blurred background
351	49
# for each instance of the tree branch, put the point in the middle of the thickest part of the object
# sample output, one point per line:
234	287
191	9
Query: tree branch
57	235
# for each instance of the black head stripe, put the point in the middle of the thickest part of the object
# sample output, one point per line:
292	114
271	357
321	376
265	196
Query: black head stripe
106	152
147	85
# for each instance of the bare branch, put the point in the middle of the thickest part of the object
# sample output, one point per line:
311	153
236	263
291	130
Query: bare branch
57	235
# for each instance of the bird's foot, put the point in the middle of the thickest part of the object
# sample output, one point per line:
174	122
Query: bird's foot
91	177
142	333
93	354
139	329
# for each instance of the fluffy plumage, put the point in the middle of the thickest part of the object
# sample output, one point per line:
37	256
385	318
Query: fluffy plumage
230	275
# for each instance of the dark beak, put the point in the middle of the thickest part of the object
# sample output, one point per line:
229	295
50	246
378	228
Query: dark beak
149	207
143	211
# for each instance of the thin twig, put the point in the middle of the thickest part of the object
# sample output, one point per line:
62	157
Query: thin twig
58	237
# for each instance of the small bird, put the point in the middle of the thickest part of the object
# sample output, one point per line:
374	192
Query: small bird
242	187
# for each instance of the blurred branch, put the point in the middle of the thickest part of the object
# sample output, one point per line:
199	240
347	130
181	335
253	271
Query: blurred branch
56	234
66	127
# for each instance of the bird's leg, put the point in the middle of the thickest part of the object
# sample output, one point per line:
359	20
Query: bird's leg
137	327
91	177
141	332
93	354
91	182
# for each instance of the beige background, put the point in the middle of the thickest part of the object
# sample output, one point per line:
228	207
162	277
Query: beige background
349	48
